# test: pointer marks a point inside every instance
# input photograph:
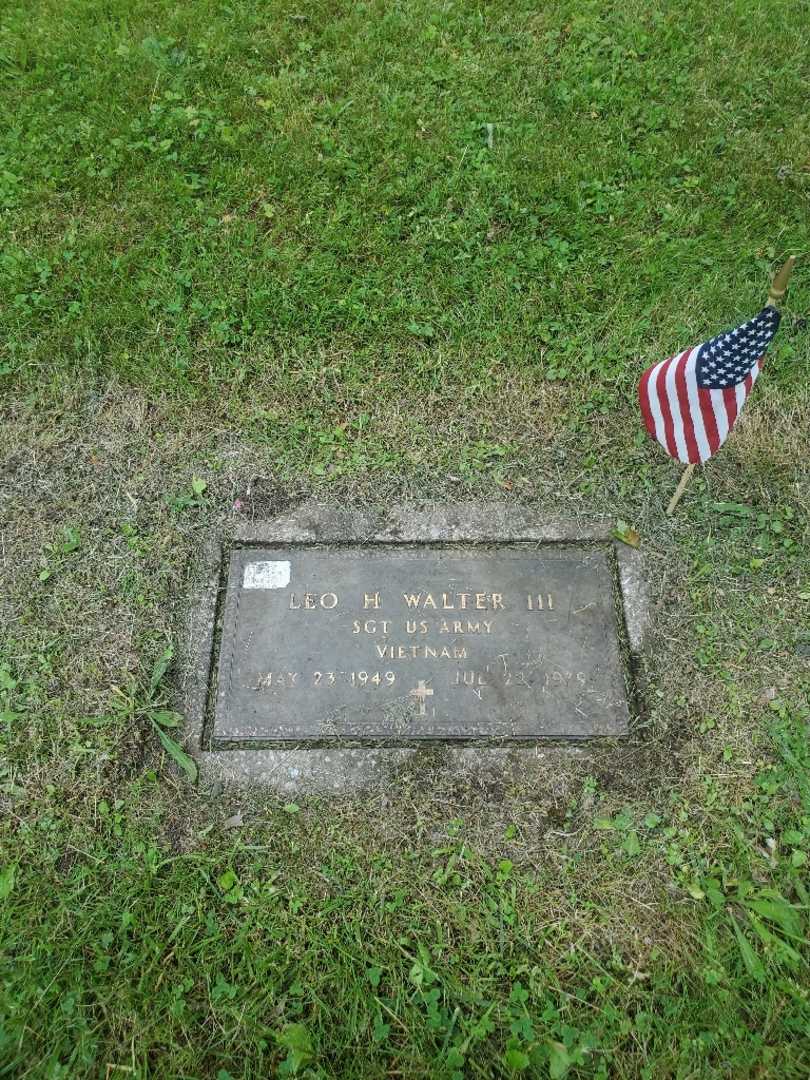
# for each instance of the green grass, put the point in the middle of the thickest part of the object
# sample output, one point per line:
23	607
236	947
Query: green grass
135	937
200	196
256	252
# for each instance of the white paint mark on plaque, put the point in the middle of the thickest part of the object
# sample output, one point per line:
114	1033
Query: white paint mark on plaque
266	575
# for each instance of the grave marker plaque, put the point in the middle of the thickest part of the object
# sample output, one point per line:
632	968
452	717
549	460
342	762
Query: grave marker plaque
406	643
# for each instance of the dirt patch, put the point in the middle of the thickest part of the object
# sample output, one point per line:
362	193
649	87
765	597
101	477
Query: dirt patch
84	622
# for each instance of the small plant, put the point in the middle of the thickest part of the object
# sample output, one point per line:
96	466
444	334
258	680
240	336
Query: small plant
135	541
161	719
296	1040
191	498
56	554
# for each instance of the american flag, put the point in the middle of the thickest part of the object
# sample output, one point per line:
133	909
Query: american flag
690	402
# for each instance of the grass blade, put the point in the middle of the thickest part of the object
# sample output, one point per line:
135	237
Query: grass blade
177	753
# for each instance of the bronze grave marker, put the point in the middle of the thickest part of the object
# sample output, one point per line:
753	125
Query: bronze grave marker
413	642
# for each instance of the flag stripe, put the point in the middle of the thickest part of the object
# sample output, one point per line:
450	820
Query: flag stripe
709	422
666	407
702	449
720	414
674	372
730	399
654	403
690	417
644	401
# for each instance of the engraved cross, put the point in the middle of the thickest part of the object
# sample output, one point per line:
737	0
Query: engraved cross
421	692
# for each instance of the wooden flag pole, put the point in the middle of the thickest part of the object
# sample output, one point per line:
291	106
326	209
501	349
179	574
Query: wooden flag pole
686	476
775	293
